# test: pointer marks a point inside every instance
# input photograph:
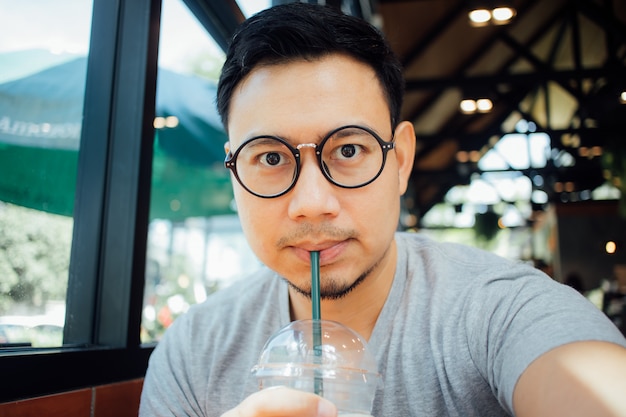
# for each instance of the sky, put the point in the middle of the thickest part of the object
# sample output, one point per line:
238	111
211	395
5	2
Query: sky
63	27
55	25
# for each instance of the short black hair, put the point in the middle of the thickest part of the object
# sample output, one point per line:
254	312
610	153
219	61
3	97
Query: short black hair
297	31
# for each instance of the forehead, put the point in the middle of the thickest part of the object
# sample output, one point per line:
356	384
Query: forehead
304	98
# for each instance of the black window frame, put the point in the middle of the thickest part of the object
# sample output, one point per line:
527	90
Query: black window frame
111	213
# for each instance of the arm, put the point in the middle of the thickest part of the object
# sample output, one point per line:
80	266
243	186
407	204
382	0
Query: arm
576	379
283	402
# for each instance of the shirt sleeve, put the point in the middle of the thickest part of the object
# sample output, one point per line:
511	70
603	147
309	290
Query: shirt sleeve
167	390
520	314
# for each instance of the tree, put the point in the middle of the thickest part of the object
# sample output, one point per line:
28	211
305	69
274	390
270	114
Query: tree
34	257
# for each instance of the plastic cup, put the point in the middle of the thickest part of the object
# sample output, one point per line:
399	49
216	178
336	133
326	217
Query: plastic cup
341	369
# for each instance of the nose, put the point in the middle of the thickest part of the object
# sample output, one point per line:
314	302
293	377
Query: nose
313	195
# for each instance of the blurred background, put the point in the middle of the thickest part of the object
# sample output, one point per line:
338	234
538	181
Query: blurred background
519	109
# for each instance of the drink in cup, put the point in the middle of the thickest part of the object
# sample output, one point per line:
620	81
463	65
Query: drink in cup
334	363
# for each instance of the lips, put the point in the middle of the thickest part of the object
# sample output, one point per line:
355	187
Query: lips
329	251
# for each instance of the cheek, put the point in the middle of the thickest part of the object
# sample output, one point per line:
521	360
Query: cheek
247	210
376	207
257	220
385	203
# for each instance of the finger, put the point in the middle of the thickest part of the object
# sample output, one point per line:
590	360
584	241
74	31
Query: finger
283	402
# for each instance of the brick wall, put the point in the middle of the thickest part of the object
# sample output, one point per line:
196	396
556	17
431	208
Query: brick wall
113	400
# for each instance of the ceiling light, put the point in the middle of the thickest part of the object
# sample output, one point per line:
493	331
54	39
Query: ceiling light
481	105
622	97
462	157
610	247
490	12
502	15
171	121
475	156
468	106
558	187
479	17
484	105
159	122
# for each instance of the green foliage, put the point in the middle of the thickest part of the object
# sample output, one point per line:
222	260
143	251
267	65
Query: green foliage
34	256
168	293
486	229
486	225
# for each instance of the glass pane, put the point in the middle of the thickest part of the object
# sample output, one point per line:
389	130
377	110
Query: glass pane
250	7
43	48
195	242
514	149
539	145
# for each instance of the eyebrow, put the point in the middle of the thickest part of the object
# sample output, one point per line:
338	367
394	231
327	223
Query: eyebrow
262	140
350	131
258	141
350	127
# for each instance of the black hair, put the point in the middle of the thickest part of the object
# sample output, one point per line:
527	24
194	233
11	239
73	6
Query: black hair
297	31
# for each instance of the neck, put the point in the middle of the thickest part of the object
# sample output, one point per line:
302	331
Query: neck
360	308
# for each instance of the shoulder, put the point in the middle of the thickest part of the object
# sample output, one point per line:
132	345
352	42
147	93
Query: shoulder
249	287
213	328
454	251
241	302
253	305
203	351
445	260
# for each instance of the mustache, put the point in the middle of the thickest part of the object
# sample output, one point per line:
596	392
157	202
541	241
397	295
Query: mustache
308	231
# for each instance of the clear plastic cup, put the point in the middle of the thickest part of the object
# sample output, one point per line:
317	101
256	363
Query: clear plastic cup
340	368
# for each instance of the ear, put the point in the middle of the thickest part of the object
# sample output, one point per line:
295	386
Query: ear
404	138
227	147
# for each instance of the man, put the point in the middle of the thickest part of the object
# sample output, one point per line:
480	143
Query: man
311	101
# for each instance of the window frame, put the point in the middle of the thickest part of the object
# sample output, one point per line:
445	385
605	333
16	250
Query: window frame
111	213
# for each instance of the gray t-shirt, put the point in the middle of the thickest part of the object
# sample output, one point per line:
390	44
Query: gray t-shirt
459	327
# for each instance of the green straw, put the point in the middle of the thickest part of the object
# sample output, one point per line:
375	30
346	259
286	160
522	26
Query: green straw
315	285
317	315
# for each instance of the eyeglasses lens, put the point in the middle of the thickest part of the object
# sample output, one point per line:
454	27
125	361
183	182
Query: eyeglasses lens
350	157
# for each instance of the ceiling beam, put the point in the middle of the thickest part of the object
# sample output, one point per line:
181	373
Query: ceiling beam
553	133
433	34
603	17
530	78
471	60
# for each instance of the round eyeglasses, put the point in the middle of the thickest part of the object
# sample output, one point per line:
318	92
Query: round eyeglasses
349	157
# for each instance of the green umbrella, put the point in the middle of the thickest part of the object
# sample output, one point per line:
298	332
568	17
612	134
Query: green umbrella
40	122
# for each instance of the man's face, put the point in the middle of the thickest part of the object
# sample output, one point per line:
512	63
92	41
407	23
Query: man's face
352	228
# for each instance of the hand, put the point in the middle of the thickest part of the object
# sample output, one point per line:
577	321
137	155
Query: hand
283	402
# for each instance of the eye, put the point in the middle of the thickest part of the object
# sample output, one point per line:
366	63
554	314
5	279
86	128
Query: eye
348	151
265	153
349	147
271	159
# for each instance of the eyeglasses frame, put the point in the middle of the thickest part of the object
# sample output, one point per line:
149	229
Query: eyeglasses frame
230	162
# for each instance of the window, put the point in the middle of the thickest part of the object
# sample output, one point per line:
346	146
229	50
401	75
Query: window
494	209
106	217
43	49
195	242
124	216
